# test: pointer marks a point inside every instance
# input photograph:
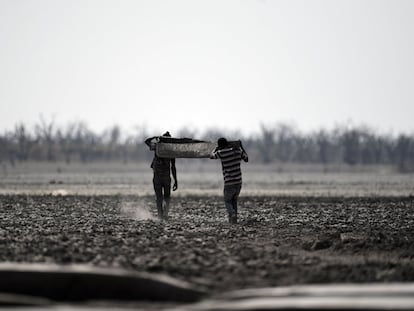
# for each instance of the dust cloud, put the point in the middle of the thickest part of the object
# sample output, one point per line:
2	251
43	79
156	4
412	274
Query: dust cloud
137	211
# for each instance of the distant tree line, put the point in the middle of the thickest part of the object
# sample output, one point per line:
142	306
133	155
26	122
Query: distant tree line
281	143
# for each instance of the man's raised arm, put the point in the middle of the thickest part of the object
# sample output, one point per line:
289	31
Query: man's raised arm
244	155
149	143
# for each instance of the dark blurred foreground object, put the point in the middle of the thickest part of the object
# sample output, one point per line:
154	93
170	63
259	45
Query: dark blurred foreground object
32	287
169	147
377	296
35	284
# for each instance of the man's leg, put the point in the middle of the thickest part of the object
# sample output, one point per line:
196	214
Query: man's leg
227	201
167	197
158	196
230	196
237	189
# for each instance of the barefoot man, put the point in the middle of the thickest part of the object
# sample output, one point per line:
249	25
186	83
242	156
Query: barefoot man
162	168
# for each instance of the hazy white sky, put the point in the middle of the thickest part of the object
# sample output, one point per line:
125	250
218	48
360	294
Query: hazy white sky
229	63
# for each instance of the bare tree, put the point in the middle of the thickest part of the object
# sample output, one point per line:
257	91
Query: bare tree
6	152
324	143
112	139
266	144
45	132
405	154
285	142
139	149
66	141
351	144
23	140
282	142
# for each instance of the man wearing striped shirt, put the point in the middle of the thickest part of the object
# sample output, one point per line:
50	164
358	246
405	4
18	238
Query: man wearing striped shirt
230	156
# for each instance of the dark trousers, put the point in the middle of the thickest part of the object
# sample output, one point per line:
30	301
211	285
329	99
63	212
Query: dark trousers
162	187
231	194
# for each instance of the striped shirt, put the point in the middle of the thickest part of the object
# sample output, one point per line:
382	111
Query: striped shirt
230	163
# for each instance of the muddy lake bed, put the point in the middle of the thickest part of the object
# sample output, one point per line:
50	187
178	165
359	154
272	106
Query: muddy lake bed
294	227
